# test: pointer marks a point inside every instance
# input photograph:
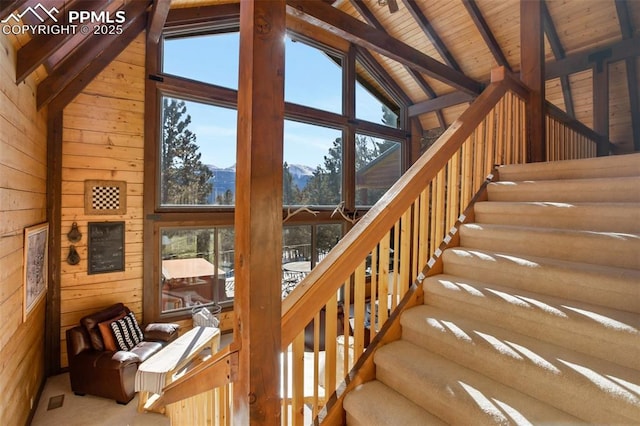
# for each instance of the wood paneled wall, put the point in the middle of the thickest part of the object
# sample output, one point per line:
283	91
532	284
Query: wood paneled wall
23	184
103	139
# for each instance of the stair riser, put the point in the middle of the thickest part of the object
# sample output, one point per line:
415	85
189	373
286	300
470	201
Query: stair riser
622	250
538	373
619	190
623	218
612	288
570	333
613	166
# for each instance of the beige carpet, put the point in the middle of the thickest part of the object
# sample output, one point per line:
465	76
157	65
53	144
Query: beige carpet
88	410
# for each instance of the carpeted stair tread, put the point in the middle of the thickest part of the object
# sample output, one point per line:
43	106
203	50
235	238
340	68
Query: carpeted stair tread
374	404
619	189
595	284
584	386
623	250
610	166
456	394
582	327
604	217
535	317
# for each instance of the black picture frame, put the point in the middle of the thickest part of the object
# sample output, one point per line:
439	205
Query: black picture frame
105	247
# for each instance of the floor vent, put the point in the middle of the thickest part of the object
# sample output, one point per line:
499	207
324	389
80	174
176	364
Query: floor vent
55	402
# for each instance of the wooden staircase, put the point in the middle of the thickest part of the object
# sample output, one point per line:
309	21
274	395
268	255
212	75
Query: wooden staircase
536	316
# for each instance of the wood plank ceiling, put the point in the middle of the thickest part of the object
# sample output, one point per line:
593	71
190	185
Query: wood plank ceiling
439	53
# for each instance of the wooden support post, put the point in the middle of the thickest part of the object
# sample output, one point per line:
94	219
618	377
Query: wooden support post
532	75
349	136
54	209
258	214
601	105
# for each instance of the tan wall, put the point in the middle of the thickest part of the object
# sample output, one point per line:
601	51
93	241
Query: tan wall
103	139
23	184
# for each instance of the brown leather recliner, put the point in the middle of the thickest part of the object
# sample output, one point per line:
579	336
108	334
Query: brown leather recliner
106	373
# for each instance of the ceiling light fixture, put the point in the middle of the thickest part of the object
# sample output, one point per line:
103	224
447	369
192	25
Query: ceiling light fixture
393	5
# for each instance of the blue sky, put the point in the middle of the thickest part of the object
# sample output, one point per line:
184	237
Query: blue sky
310	78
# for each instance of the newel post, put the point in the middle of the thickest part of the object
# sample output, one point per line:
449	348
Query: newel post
258	214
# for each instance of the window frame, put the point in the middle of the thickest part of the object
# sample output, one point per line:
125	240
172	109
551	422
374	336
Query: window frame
159	84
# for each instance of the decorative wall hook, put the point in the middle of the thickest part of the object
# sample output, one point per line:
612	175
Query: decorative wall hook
74	235
73	258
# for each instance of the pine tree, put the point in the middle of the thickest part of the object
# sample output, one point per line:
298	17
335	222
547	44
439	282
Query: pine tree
324	187
288	187
185	179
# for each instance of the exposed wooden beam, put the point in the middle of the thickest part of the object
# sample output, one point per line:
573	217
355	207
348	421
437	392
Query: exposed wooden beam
54	212
552	34
258	213
601	107
157	19
431	33
580	61
7	7
380	74
41	47
366	13
626	27
95	53
185	19
418	78
532	75
439	103
486	33
429	91
364	35
559	53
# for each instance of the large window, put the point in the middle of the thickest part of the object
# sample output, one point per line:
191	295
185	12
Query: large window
312	77
312	172
197	154
209	58
303	246
369	106
196	267
333	158
378	166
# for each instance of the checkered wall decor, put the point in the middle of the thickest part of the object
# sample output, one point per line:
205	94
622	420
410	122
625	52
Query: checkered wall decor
105	197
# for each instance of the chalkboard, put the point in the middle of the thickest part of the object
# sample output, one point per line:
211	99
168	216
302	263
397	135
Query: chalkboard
106	247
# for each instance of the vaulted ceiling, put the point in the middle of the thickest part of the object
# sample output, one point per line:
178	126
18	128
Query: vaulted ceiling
433	55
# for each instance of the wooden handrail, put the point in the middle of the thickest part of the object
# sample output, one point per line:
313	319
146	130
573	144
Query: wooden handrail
299	308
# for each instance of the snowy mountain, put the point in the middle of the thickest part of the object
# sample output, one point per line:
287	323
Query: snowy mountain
225	178
301	174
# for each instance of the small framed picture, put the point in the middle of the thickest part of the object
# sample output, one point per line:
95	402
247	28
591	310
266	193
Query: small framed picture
105	197
35	260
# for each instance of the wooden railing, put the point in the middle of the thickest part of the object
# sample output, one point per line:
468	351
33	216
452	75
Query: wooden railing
567	138
371	269
204	396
